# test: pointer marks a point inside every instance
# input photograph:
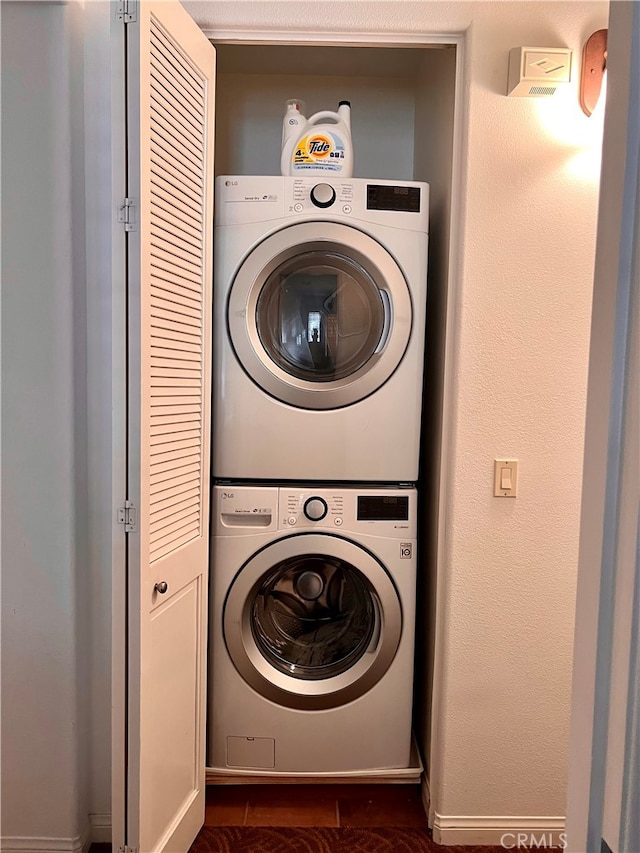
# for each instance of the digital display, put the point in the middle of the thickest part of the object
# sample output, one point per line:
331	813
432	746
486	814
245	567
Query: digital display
406	199
383	508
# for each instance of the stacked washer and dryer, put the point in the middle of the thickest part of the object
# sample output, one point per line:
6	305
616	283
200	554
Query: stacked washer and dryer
319	325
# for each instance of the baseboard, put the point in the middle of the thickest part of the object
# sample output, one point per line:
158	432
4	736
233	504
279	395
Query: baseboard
46	844
100	828
512	833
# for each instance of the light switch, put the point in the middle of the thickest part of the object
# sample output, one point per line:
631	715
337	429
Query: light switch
505	478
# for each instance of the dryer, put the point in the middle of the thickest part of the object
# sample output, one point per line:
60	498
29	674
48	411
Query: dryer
311	629
319	326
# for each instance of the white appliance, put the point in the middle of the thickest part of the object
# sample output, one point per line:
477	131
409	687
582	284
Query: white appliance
319	324
311	629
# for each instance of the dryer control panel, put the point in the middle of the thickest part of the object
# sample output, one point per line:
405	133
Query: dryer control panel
242	199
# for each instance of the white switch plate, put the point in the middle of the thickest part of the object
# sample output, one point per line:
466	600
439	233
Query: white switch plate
505	469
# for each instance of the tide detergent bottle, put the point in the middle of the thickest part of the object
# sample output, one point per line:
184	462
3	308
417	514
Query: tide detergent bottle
320	145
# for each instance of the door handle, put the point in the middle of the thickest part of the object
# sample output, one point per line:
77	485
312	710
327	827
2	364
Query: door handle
161	587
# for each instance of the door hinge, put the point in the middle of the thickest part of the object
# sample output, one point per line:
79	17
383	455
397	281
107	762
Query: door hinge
126	849
127	214
127	11
127	516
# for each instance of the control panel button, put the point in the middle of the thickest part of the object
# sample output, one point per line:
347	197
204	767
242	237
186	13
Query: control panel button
323	195
346	208
337	521
315	509
297	207
292	519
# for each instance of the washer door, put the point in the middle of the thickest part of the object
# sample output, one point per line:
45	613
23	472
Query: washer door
319	315
312	621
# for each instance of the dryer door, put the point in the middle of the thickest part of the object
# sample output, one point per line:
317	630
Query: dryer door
319	315
312	621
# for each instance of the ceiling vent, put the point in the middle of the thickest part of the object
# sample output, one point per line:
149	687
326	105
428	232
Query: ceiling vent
538	72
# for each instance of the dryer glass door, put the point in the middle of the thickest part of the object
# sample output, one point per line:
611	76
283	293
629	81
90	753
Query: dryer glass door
312	621
319	315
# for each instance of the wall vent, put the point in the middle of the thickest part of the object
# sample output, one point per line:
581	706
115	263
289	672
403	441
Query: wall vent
542	90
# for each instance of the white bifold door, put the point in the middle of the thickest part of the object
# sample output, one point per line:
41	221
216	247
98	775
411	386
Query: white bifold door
170	104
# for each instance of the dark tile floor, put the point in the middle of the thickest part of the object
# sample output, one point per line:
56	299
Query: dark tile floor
311	805
314	805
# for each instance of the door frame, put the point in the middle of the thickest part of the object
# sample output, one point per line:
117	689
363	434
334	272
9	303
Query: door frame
119	598
309	38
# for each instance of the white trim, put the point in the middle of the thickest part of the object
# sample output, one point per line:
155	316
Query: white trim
100	828
542	832
119	437
329	39
425	796
456	240
46	844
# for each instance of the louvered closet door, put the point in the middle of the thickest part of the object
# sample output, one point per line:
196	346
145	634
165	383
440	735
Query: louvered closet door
170	88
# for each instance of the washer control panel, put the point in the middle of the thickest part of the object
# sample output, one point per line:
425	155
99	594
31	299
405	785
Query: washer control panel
241	510
309	508
385	511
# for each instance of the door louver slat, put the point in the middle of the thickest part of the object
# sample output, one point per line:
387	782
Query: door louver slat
176	498
173	181
161	357
174	80
185	75
164	484
176	122
162	99
164	195
166	529
173	541
180	167
173	422
174	225
165	277
176	298
180	331
161	299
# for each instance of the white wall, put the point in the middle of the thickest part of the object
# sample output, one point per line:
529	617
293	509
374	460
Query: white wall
44	543
517	387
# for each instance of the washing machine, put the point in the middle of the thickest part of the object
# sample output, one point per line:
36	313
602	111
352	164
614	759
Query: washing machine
319	327
311	629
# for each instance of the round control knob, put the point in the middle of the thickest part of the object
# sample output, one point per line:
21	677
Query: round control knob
323	195
315	509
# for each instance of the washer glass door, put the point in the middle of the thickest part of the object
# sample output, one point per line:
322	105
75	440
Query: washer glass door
312	621
319	315
314	616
